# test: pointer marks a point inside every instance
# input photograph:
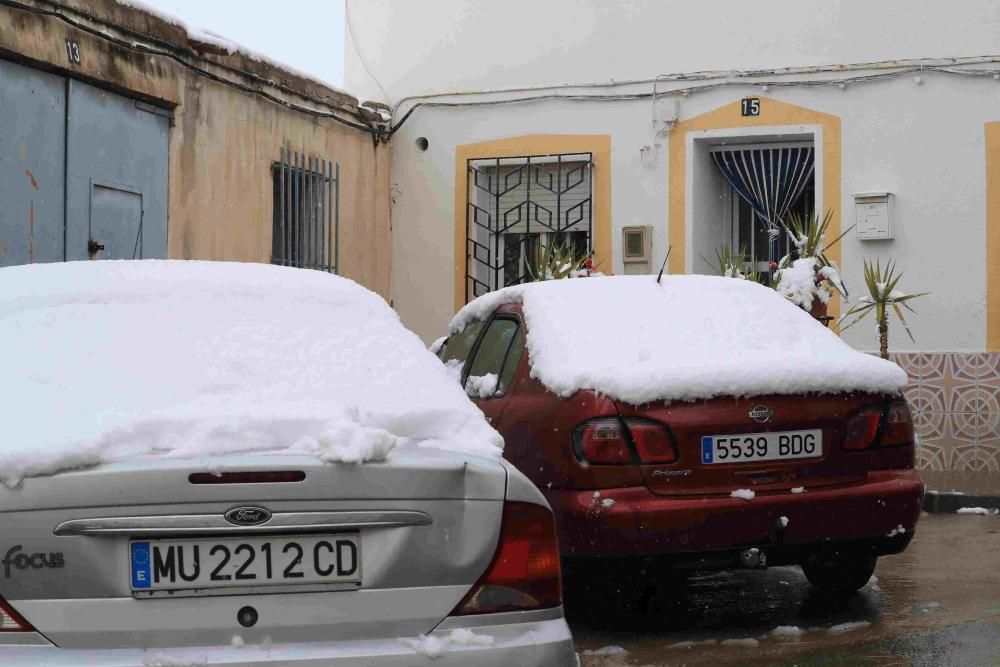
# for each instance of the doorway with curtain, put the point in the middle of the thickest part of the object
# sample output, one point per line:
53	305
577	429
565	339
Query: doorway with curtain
759	185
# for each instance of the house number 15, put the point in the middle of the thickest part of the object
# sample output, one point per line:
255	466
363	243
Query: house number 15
73	51
750	106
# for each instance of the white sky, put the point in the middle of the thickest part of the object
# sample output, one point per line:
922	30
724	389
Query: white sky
306	34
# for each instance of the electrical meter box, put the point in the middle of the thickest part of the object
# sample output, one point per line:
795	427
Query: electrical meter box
637	244
873	215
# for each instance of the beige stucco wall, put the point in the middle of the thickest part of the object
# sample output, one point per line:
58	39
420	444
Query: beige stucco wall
223	140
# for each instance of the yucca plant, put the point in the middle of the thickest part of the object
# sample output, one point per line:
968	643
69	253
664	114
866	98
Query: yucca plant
808	233
882	294
732	264
557	259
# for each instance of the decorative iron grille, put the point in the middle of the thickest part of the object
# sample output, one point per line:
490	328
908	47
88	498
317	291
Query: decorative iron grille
306	229
514	205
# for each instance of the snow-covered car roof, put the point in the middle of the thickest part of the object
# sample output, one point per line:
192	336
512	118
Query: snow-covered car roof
687	338
107	361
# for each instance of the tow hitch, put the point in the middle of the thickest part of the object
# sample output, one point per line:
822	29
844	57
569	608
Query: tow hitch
753	559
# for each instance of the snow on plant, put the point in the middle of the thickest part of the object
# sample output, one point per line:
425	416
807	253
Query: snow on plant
730	264
559	259
882	293
812	277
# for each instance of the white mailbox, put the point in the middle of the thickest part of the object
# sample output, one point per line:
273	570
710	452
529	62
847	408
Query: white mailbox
873	215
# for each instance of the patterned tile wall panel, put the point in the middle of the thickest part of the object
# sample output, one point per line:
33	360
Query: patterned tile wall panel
955	399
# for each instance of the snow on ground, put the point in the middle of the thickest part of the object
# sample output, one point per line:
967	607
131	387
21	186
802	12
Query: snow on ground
606	650
747	642
689	338
851	626
118	360
787	631
975	510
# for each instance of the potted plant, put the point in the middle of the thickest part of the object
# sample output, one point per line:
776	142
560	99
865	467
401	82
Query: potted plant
882	293
806	276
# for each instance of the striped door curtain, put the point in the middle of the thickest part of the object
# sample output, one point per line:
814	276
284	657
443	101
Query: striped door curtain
769	179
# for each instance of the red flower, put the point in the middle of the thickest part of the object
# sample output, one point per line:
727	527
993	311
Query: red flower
589	263
774	266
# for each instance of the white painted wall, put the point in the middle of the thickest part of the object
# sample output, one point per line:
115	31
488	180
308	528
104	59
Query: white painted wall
923	142
415	47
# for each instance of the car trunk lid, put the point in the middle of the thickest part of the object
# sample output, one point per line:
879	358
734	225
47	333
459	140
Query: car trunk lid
424	526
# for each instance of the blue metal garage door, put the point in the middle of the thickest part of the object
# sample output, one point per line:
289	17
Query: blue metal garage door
32	150
83	172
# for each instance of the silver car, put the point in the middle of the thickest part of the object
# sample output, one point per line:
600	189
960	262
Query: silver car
182	501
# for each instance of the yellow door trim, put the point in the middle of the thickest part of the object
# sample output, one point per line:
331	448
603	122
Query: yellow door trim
772	112
535	145
992	131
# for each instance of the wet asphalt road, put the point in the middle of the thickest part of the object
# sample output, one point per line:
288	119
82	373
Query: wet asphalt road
937	604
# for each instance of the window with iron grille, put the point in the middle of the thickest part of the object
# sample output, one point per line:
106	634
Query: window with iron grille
515	206
306	227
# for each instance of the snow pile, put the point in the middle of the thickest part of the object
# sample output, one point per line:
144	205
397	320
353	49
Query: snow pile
481	386
432	647
118	360
745	494
689	338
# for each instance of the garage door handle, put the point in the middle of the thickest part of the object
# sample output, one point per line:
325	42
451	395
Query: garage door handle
93	246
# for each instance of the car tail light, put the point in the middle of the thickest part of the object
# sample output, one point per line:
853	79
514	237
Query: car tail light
862	429
610	440
897	425
525	570
602	441
11	621
880	427
652	442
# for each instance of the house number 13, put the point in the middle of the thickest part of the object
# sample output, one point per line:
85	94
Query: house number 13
73	51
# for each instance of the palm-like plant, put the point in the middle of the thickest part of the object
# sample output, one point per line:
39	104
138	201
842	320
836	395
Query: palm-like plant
882	294
732	264
556	259
807	233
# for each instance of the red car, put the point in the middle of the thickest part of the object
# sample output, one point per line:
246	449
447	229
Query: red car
653	431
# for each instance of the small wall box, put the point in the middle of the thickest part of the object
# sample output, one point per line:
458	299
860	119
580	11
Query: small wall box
637	244
873	215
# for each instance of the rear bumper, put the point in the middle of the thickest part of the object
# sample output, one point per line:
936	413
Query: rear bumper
639	522
535	642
